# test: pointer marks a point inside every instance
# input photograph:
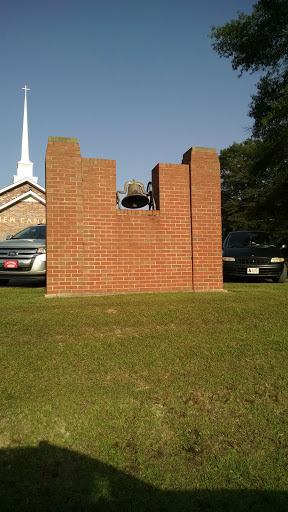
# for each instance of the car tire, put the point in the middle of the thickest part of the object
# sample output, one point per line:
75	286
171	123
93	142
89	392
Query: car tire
3	282
283	276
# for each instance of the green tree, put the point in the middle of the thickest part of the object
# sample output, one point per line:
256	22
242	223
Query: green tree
259	43
251	195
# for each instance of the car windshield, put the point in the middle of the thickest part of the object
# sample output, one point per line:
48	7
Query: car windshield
32	233
248	239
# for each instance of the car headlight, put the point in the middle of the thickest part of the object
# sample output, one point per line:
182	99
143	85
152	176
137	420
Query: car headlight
228	258
277	260
41	250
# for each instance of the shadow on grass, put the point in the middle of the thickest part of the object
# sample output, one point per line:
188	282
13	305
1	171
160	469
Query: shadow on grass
49	479
25	283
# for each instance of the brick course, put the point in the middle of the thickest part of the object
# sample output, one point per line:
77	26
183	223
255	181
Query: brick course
93	247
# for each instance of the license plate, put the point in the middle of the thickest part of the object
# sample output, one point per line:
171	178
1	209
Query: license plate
11	264
253	270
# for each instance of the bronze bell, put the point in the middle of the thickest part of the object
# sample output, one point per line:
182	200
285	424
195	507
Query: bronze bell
134	198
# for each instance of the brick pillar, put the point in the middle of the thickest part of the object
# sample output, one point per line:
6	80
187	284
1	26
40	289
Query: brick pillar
171	188
99	209
64	215
205	218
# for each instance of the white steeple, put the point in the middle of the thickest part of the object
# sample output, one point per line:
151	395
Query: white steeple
24	167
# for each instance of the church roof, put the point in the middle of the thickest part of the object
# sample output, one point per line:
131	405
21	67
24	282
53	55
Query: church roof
23	197
22	182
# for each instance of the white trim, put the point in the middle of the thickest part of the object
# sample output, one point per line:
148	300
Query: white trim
21	198
21	182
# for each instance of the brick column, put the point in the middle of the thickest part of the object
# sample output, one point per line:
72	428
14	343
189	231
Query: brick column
171	187
99	215
64	216
205	218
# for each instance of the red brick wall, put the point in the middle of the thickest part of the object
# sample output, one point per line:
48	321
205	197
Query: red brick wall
94	248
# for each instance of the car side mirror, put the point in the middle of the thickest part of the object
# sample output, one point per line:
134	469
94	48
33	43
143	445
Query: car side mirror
9	237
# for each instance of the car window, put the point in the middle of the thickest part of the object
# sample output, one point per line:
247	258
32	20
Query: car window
33	232
248	239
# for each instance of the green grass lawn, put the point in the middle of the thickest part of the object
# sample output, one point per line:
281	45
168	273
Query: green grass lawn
145	401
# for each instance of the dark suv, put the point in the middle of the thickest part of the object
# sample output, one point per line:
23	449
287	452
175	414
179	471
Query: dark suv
23	256
253	254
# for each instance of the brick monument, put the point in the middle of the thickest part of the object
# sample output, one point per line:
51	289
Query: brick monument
93	247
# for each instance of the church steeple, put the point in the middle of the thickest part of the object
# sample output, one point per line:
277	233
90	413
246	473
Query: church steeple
25	167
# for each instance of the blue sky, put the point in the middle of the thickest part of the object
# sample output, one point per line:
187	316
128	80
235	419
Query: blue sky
135	81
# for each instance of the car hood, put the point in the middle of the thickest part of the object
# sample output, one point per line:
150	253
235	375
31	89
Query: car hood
24	243
264	252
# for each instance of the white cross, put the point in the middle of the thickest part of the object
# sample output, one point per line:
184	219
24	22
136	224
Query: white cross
25	89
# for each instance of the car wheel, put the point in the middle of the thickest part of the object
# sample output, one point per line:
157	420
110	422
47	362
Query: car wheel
3	282
283	276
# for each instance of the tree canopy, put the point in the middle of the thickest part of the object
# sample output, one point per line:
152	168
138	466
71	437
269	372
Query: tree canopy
253	195
258	41
258	168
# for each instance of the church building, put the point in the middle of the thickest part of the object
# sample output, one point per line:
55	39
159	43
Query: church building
23	203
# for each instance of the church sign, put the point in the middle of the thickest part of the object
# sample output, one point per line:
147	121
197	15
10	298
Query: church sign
22	220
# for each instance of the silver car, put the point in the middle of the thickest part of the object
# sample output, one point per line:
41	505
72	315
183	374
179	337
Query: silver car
23	256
